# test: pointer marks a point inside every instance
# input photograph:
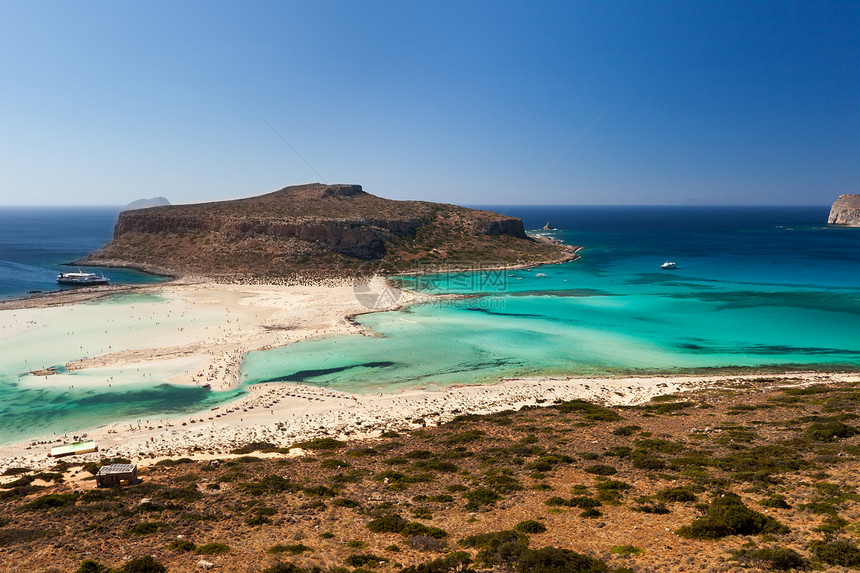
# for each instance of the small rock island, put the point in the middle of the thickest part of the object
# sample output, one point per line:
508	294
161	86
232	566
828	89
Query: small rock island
845	211
318	230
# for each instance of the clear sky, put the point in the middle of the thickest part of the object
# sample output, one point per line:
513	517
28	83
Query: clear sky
470	102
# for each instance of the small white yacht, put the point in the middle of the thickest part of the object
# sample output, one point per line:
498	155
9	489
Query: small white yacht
668	265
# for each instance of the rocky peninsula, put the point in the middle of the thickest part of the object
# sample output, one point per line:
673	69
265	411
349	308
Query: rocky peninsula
845	211
317	230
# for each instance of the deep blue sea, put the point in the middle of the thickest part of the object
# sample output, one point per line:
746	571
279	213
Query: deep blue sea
755	288
37	243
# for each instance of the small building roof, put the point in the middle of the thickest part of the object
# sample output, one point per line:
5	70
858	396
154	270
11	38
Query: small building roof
116	469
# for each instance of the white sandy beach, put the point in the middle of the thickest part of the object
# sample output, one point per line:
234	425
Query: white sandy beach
184	332
196	333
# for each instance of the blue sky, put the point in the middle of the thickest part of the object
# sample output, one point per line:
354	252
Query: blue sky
472	102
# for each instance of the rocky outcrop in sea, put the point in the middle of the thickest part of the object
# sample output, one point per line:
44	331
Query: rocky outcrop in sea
845	211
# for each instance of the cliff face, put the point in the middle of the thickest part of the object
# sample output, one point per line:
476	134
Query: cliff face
845	211
314	229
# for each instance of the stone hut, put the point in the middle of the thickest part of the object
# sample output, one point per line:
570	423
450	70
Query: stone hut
117	475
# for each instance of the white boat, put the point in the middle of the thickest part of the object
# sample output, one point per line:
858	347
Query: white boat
82	279
668	265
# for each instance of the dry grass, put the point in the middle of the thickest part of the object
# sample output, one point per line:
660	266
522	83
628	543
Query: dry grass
477	475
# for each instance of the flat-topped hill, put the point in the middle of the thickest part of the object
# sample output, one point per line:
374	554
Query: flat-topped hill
317	229
845	211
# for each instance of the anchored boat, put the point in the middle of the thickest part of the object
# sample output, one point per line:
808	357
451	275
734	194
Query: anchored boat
82	279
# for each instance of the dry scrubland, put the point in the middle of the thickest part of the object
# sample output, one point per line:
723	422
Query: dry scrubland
745	477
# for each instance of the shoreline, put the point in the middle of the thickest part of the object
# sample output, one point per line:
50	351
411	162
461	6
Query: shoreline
284	414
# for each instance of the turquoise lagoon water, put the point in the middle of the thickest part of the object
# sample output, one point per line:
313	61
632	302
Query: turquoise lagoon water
755	288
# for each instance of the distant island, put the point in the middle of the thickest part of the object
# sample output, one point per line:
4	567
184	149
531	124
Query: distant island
146	203
318	230
845	211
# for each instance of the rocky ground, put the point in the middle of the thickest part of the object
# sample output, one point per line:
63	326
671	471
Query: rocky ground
742	478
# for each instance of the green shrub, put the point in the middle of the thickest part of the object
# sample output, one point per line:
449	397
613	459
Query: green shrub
655	508
776	501
333	464
601	470
829	431
530	526
465	437
626	430
626	550
582	502
146	528
555	560
181	545
480	497
422	512
90	566
270	484
345	502
146	564
51	501
590	411
318	444
387	524
499	548
727	515
676	494
840	552
456	562
255	520
590	513
296	549
831	525
779	558
320	490
213	549
362	559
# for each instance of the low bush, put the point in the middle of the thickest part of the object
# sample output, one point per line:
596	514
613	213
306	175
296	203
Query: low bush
50	501
387	524
365	559
530	526
213	549
480	497
626	550
829	431
145	564
296	549
779	558
90	566
146	528
456	562
727	515
318	444
181	545
839	552
601	470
